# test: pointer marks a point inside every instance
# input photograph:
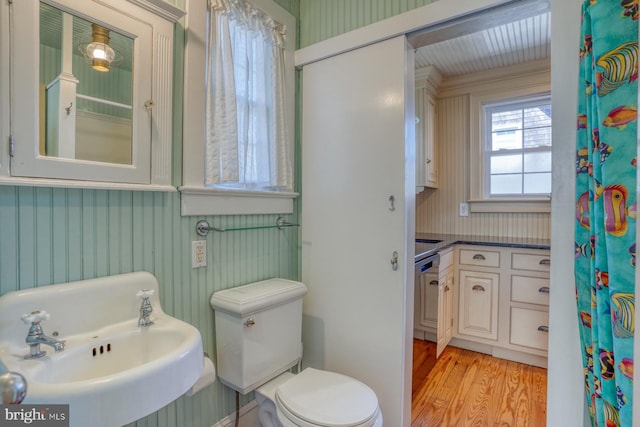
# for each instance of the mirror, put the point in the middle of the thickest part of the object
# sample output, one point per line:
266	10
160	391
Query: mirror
91	98
85	89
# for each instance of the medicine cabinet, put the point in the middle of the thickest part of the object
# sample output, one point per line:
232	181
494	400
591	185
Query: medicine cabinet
90	92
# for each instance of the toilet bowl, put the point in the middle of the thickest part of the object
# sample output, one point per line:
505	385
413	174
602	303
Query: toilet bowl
316	398
258	339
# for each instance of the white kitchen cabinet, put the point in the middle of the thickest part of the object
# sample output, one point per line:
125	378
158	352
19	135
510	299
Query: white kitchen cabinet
529	328
434	303
478	316
487	298
445	318
427	81
502	302
529	301
426	306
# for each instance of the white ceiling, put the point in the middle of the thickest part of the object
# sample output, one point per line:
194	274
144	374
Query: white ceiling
524	40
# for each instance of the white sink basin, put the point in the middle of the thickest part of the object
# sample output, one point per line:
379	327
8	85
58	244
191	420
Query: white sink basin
111	371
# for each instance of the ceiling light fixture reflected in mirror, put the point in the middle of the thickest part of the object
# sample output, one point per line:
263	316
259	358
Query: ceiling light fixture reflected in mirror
99	51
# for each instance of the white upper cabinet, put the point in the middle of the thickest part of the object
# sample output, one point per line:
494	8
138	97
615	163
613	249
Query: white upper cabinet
90	93
427	81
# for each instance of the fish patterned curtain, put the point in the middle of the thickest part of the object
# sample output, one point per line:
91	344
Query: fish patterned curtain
606	205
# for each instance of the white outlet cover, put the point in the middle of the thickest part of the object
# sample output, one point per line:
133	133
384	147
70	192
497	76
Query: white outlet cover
198	253
464	209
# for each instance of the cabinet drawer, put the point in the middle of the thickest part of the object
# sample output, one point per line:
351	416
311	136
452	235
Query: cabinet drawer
446	259
530	290
480	257
529	328
534	262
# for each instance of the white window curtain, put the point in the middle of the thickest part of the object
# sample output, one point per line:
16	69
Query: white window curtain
247	144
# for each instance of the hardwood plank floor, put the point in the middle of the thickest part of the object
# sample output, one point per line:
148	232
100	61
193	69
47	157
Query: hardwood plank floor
469	389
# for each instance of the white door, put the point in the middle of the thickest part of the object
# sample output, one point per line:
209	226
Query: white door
358	201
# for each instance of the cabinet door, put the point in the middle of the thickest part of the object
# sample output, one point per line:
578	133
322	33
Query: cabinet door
445	320
478	314
426	165
430	163
448	330
428	309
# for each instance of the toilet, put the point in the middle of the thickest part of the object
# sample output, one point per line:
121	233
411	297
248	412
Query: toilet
259	339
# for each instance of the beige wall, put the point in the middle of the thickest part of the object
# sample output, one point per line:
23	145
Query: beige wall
437	209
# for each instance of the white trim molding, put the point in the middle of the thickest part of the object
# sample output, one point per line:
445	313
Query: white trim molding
519	206
416	19
161	8
480	92
214	201
196	199
248	417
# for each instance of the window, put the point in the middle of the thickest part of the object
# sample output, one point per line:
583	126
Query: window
239	116
247	143
517	148
510	144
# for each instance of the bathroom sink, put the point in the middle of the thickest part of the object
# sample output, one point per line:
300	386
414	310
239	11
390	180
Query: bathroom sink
111	371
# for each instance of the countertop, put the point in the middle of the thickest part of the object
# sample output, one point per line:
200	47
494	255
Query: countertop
424	249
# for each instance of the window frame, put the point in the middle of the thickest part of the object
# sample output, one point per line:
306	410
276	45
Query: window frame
488	110
479	198
196	198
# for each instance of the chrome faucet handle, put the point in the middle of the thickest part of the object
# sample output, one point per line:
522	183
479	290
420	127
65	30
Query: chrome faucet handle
35	317
145	293
145	307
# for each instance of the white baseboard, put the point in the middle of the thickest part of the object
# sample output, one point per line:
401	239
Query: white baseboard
518	356
248	417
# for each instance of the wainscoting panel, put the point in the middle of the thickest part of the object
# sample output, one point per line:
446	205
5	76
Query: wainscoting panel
437	210
53	235
323	19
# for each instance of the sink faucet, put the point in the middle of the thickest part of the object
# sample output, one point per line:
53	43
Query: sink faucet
36	335
145	307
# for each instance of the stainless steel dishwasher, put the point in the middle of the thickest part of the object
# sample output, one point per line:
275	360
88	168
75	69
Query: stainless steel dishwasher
426	264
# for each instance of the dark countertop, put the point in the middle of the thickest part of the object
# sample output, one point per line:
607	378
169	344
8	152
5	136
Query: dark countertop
424	249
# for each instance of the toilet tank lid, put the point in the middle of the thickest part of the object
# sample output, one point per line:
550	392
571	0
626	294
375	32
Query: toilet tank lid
254	297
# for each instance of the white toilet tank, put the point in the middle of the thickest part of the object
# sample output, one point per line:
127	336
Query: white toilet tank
258	331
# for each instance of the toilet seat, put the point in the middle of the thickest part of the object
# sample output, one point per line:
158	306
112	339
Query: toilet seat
315	398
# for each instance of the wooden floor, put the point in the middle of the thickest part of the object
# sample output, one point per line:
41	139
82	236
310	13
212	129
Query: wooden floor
466	389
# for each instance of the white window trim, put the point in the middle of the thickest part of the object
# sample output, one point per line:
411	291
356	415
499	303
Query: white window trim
478	200
196	199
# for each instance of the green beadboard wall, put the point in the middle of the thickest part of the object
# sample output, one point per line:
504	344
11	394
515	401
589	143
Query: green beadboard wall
55	235
323	19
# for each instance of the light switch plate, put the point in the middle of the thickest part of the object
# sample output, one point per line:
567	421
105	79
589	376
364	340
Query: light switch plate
198	253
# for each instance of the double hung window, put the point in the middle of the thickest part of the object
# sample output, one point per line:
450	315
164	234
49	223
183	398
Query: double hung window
517	148
247	143
238	123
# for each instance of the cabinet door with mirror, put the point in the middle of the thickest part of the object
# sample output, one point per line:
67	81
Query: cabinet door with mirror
90	91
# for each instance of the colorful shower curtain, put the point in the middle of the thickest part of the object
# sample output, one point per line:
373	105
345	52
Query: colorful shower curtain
606	205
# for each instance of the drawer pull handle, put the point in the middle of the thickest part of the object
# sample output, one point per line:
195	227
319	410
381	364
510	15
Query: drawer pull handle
433	283
478	288
545	261
446	288
479	256
543	328
544	290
